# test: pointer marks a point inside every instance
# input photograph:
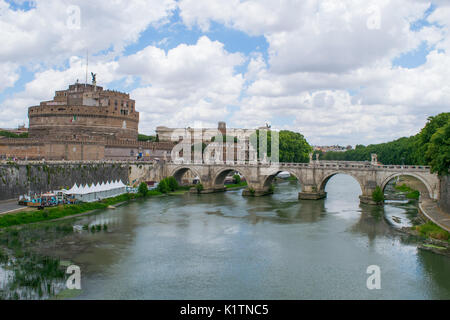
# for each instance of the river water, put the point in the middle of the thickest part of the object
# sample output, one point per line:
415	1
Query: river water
226	246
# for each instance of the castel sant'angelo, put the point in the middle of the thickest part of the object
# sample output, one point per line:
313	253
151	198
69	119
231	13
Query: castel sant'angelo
84	122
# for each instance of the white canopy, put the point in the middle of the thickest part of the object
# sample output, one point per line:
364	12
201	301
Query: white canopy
98	191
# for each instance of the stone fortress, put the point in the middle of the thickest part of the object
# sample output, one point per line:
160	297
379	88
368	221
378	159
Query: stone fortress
84	122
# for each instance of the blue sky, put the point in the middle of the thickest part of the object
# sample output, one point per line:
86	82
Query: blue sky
338	73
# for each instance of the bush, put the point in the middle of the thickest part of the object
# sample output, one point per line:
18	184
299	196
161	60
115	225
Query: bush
432	230
143	189
237	178
172	183
163	186
378	195
199	187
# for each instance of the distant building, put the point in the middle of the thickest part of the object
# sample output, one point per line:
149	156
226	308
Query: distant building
19	130
334	148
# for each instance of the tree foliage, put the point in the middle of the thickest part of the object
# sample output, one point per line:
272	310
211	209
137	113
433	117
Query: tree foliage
172	183
293	146
431	146
168	184
438	151
8	134
143	137
143	189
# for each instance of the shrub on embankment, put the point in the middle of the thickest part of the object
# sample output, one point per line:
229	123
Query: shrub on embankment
410	192
431	230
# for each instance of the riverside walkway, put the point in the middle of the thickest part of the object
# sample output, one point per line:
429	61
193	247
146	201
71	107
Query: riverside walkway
431	210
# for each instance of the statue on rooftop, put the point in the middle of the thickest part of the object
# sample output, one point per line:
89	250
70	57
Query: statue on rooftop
94	78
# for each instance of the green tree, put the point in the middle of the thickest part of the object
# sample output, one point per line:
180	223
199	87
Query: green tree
429	147
143	137
172	183
143	189
163	186
237	178
293	146
438	150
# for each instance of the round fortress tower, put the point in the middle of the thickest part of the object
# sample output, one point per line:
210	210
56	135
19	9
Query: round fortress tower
85	111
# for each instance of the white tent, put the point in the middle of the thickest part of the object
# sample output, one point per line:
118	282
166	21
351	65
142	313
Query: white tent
98	191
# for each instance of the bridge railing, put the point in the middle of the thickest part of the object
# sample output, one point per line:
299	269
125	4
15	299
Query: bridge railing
317	164
82	162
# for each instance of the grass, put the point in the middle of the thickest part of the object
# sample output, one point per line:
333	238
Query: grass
61	211
433	246
431	230
67	294
236	185
410	193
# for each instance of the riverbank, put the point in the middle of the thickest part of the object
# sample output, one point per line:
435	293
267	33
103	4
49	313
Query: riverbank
430	234
54	213
236	186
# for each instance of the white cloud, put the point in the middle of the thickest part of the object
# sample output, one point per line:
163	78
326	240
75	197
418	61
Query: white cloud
45	83
48	32
188	83
319	51
327	73
8	75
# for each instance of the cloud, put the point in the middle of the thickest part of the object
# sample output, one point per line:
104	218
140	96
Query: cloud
328	71
54	30
188	83
329	65
45	83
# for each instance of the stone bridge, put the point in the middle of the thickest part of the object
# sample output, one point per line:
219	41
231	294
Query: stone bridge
312	176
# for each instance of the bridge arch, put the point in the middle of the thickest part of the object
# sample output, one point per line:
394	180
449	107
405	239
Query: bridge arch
219	177
179	172
269	179
330	175
409	174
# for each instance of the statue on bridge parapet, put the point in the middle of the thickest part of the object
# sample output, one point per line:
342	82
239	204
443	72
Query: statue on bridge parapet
374	159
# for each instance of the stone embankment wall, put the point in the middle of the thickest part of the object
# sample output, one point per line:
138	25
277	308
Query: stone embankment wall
36	177
444	200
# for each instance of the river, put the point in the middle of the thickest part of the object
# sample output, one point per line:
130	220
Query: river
226	246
